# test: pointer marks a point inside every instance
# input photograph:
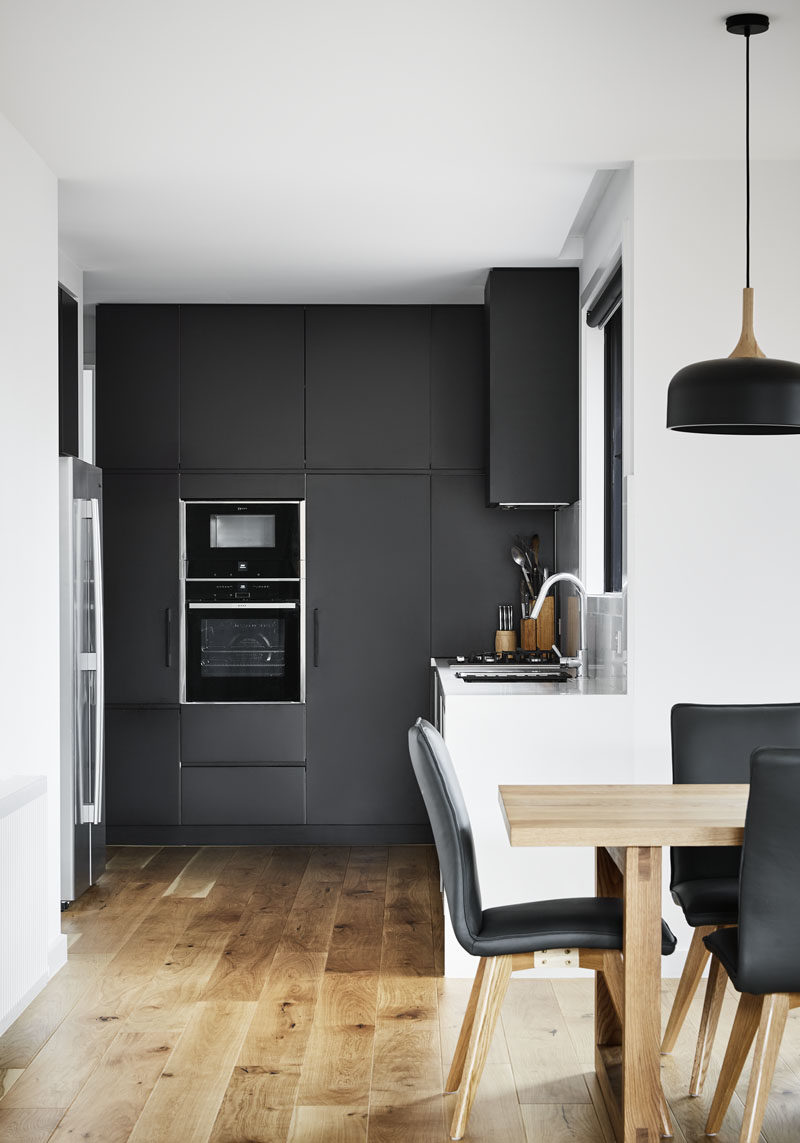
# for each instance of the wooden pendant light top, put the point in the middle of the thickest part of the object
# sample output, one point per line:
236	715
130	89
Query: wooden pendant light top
747	346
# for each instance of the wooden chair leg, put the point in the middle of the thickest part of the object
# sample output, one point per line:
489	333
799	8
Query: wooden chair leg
712	1006
453	1081
493	989
774	1011
687	985
744	1029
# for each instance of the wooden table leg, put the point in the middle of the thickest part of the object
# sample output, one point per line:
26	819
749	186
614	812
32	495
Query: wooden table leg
641	1034
607	1025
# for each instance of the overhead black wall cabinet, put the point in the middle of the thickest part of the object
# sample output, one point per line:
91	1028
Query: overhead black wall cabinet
68	375
533	330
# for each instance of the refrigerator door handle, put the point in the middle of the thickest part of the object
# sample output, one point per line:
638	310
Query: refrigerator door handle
99	694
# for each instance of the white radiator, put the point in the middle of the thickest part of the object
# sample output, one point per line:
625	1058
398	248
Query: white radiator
23	894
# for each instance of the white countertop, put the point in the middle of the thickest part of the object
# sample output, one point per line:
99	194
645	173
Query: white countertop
453	687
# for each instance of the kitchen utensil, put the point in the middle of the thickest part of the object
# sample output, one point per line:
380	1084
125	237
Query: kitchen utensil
518	556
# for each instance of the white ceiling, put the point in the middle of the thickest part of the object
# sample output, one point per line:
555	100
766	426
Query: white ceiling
365	150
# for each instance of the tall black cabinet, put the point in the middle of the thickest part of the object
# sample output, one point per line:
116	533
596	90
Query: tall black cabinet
368	645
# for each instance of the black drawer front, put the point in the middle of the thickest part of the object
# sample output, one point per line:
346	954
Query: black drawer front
243	795
242	733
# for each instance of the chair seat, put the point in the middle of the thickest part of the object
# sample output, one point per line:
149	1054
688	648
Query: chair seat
574	922
708	901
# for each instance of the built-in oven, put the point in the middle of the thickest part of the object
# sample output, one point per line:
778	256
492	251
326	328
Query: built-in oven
243	631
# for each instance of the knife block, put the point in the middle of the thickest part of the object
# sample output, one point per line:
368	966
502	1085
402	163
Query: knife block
539	634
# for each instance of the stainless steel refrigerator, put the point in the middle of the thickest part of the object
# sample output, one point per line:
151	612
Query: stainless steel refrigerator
83	831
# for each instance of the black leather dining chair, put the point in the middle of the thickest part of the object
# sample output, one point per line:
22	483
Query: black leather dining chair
712	744
506	937
760	956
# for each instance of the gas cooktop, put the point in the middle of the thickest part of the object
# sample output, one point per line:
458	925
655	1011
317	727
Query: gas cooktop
505	659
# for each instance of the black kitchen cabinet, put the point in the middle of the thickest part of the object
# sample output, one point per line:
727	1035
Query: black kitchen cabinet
68	375
242	387
367	387
242	795
368	645
459	388
140	559
225	733
137	386
471	566
533	347
142	769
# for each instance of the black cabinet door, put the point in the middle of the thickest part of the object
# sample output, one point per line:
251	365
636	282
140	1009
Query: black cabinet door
142	770
140	550
471	566
533	337
242	387
68	375
137	386
367	386
368	577
459	387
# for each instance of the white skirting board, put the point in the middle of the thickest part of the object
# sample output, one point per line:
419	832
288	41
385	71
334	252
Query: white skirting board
24	967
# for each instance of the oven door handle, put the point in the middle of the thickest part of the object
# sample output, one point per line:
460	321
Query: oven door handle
243	606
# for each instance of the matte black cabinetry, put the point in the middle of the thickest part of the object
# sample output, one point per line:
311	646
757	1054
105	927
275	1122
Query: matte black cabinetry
242	795
137	386
142	620
242	387
459	399
367	387
68	375
533	320
143	776
368	645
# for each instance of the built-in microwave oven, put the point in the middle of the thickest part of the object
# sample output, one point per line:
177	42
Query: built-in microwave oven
242	539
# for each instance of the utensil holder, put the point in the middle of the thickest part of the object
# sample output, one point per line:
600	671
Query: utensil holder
505	641
527	632
546	625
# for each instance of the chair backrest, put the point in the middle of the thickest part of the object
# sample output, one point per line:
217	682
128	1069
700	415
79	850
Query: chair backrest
451	829
712	744
769	889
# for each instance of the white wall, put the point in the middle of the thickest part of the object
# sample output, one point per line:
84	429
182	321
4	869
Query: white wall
29	666
714	532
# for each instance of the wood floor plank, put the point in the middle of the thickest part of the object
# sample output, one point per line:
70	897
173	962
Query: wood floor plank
199	875
28	1124
328	1125
189	1090
561	1123
542	1053
496	1113
20	1043
260	1098
132	856
8	1077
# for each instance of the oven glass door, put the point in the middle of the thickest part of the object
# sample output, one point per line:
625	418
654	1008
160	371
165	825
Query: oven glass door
243	652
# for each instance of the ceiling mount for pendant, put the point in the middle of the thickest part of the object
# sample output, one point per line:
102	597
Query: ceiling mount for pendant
746	393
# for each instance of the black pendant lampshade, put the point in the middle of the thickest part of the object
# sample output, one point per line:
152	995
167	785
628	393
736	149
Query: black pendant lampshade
746	393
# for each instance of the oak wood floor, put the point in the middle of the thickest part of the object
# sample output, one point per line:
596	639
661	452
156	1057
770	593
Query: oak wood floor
293	995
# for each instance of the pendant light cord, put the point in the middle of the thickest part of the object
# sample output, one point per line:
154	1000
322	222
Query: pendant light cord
747	147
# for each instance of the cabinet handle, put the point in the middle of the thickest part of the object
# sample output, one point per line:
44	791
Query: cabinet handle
168	637
316	636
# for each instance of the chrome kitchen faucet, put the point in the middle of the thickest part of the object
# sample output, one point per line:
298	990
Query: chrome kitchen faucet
579	660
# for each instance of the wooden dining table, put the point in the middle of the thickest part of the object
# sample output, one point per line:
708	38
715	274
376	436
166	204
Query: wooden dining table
627	826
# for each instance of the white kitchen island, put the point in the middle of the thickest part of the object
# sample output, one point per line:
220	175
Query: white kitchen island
511	733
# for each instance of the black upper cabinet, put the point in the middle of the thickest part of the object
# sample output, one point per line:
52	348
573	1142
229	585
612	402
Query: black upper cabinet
459	393
68	374
142	618
137	386
367	677
242	387
367	387
533	331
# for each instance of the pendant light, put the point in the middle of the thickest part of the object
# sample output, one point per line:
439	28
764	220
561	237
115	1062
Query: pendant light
746	393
